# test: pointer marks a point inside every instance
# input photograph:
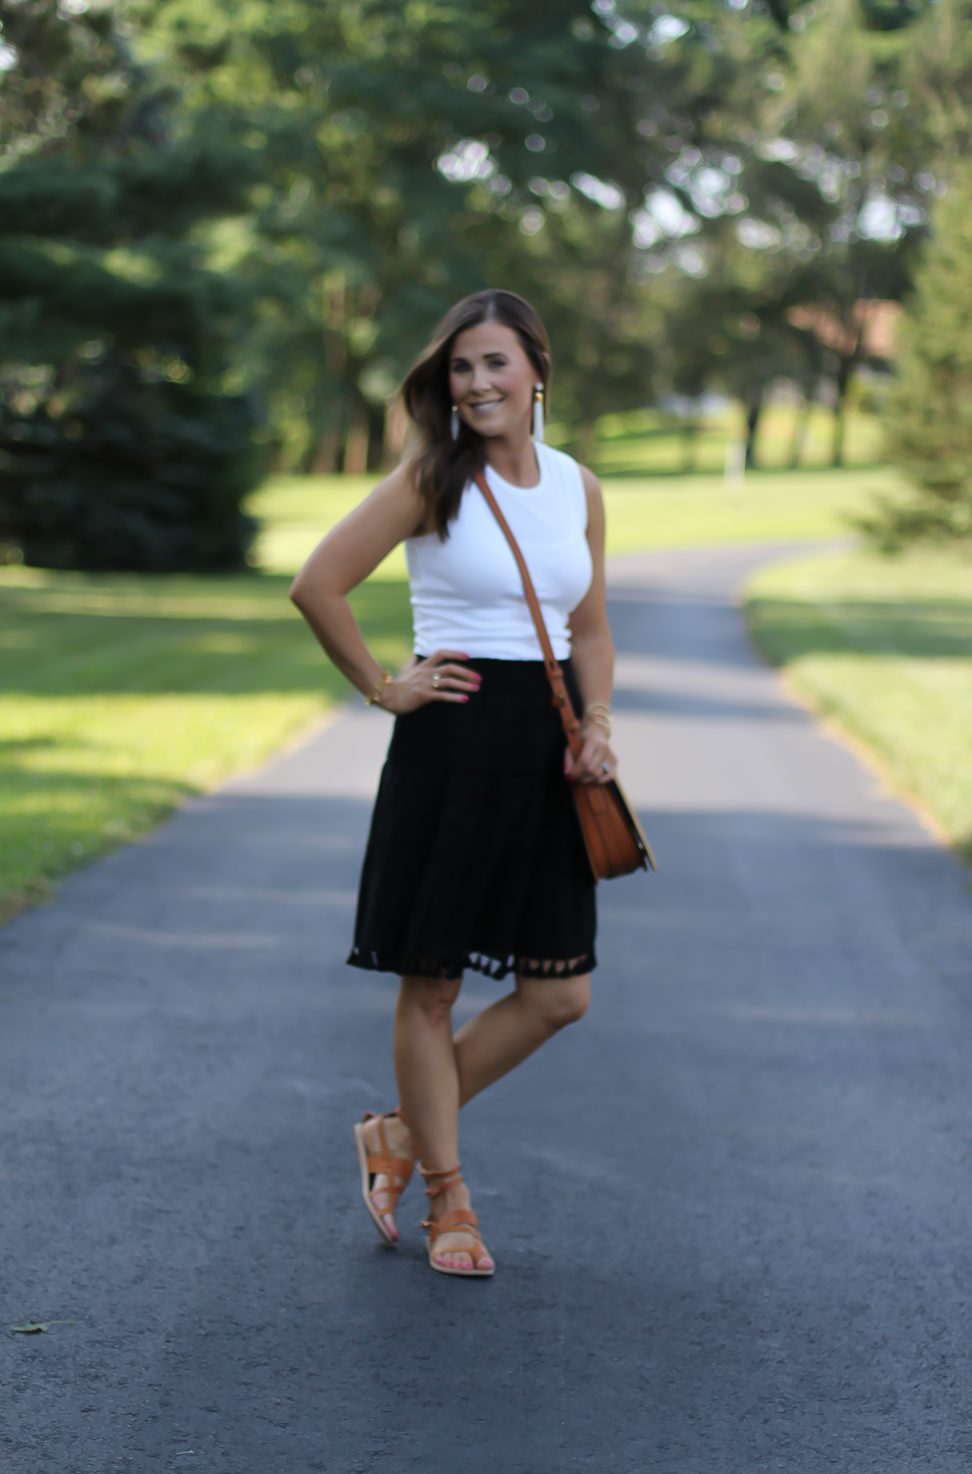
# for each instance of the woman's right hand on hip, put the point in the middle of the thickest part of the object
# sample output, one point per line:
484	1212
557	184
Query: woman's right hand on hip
435	679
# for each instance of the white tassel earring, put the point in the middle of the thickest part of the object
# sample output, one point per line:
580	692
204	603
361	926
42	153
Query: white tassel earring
538	412
454	423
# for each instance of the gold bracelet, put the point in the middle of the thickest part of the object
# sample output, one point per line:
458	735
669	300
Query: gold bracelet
375	698
604	725
600	713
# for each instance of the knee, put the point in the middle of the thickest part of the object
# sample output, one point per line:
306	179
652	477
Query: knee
431	997
563	1003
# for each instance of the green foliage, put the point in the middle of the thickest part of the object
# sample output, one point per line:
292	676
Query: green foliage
929	410
414	156
119	447
284	198
136	475
833	212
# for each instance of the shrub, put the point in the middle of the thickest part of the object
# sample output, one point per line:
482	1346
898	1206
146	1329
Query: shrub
136	475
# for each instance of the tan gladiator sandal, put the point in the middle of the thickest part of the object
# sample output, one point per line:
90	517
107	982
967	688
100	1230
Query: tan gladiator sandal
396	1169
459	1220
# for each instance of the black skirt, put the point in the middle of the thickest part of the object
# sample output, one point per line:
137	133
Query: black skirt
475	857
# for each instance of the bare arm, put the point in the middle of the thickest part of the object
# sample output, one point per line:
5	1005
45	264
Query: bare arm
592	649
350	552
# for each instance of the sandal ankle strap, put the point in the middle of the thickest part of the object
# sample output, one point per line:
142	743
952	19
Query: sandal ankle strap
383	1161
451	1177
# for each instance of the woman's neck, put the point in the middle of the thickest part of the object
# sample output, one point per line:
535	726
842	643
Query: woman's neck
514	459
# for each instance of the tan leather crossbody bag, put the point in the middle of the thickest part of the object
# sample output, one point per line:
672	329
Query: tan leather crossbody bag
615	842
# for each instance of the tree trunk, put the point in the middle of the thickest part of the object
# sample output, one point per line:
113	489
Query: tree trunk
800	427
585	441
837	459
841	382
752	426
325	457
356	449
845	367
690	446
375	419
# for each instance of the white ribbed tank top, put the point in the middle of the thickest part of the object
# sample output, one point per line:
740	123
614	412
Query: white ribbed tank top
467	593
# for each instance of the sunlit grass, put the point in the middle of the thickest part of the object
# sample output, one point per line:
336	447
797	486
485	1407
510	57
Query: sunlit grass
647	512
120	695
649	441
884	646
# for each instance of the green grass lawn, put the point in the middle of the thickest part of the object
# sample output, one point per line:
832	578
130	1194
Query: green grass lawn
884	646
120	695
645	512
648	441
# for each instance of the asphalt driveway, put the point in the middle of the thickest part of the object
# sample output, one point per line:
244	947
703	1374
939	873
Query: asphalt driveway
731	1209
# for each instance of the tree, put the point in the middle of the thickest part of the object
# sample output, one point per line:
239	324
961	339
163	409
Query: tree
200	198
817	204
120	446
415	154
849	134
928	420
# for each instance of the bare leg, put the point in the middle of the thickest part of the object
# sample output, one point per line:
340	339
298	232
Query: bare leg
503	1035
436	1073
428	1089
425	1067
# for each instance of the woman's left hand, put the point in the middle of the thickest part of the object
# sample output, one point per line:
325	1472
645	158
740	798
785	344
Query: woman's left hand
596	763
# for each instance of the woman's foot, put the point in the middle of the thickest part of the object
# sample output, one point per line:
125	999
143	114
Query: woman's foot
457	1247
384	1141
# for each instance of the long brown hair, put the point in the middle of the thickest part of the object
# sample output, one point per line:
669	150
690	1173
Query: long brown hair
442	466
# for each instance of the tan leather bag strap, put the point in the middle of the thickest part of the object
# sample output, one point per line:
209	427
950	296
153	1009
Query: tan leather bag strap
561	699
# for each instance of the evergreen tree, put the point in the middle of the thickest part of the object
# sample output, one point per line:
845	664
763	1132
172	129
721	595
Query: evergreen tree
120	447
929	413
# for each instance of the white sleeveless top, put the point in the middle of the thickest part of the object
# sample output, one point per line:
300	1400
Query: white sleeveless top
467	593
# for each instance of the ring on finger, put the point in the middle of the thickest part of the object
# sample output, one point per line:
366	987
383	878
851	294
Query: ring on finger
436	680
605	767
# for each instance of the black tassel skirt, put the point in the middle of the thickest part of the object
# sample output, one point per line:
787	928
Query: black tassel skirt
475	857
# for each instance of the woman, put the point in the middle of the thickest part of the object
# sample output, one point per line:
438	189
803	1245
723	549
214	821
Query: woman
475	857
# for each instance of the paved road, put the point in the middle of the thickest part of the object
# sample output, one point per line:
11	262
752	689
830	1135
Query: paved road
731	1210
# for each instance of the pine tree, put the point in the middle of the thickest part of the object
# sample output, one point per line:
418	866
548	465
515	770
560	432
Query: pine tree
929	413
119	447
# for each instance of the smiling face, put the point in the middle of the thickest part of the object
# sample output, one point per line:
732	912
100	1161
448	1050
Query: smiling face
491	379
